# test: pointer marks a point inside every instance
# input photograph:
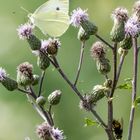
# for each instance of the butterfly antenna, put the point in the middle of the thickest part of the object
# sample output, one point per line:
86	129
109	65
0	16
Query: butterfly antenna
25	10
29	13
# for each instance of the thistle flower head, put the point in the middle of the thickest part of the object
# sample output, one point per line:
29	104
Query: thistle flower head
3	74
97	50
50	46
120	14
46	132
87	103
43	131
77	16
25	68
25	31
132	27
57	134
136	7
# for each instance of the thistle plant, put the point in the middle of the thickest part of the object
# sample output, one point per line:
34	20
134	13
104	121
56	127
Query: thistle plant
124	36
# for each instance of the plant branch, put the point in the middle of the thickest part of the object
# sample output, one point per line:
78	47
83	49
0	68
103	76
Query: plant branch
32	93
110	136
66	79
98	118
50	114
41	82
105	42
134	87
115	69
120	67
91	110
24	91
110	102
46	114
80	62
57	66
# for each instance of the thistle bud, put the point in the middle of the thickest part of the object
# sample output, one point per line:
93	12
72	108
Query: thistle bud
120	16
103	66
42	61
34	42
82	35
89	27
122	51
98	93
126	43
35	80
54	97
97	50
41	101
24	74
51	46
8	83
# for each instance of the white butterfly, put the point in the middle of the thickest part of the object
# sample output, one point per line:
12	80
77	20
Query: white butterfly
52	17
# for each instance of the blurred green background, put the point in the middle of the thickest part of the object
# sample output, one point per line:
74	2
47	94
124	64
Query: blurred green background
17	117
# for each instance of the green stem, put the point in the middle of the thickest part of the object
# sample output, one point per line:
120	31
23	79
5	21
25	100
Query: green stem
105	42
80	62
134	87
41	82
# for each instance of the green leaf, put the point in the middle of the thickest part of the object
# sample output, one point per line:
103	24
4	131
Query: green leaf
89	122
125	86
137	101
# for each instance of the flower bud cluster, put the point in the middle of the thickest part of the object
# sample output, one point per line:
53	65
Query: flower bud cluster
125	28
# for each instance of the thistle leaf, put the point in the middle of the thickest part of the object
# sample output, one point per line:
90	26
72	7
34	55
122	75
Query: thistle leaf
125	86
89	122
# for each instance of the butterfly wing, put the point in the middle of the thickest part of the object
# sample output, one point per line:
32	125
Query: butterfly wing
52	17
52	23
54	5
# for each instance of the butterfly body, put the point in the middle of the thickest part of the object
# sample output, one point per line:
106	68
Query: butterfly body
52	17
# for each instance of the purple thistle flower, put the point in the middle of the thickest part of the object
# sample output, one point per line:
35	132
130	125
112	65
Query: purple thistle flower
25	30
43	131
45	44
57	134
77	16
120	13
132	27
3	74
